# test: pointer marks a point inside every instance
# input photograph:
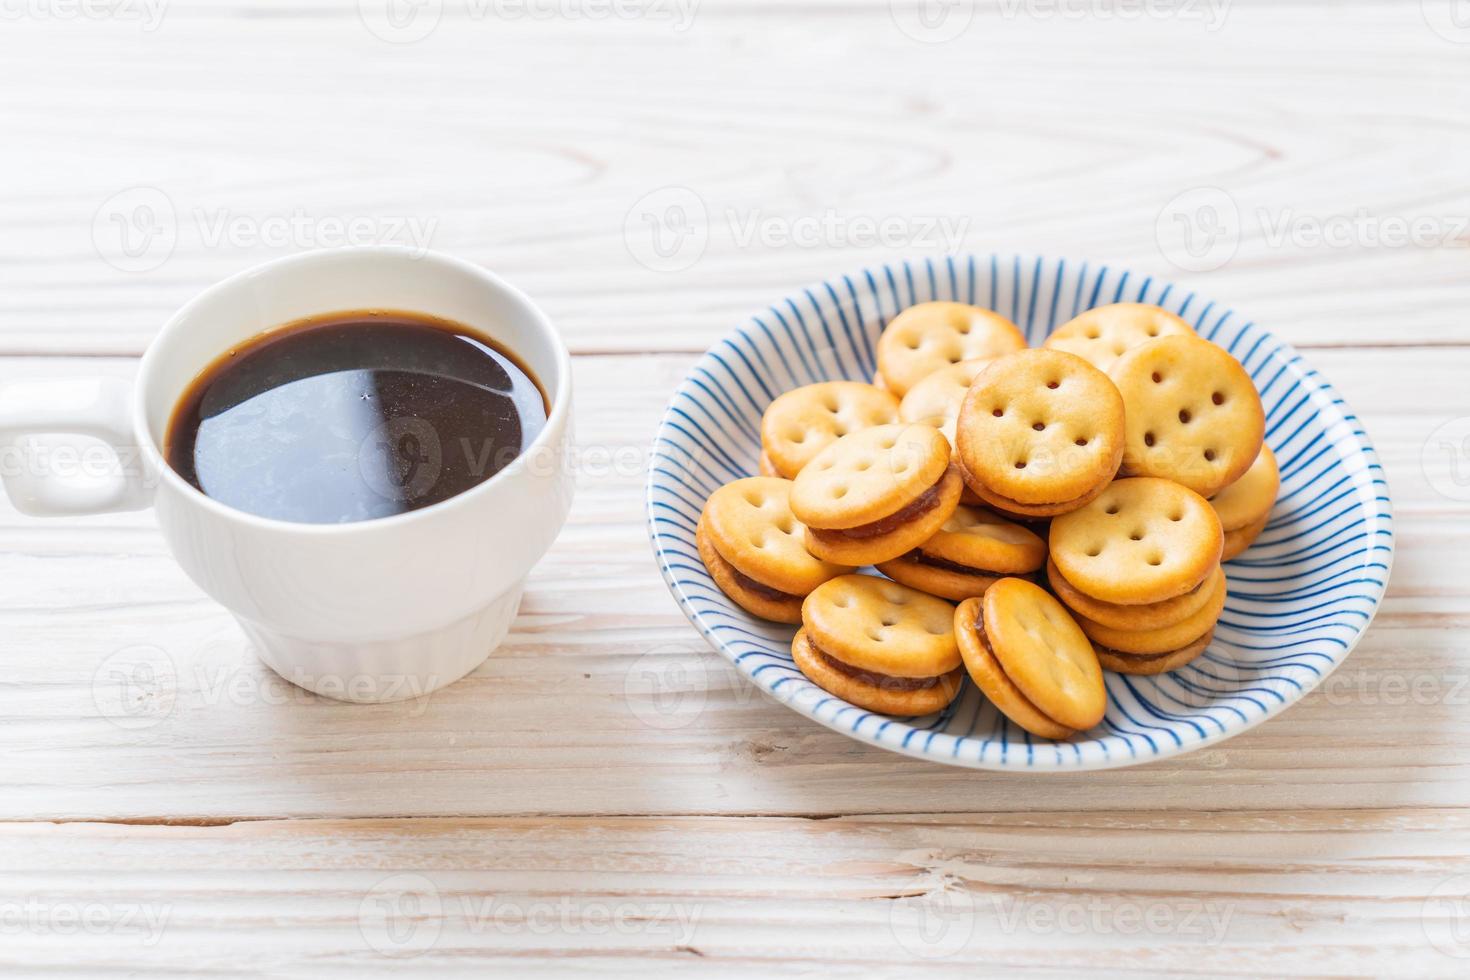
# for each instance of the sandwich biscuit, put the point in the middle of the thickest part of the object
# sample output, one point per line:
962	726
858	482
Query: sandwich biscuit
876	494
754	549
1031	660
880	645
972	551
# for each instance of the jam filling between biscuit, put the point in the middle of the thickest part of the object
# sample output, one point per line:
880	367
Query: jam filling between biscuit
918	557
1144	657
760	588
885	681
922	504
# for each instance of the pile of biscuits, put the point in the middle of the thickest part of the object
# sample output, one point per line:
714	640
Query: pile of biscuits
1075	500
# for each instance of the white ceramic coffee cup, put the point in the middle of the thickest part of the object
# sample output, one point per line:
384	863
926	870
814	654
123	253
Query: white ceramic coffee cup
369	611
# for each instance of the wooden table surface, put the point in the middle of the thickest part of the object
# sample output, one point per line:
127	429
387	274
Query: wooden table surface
605	795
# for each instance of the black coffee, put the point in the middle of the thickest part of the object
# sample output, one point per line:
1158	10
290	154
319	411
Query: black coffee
351	416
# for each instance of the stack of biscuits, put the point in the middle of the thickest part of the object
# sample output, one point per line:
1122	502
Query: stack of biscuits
1038	515
1139	568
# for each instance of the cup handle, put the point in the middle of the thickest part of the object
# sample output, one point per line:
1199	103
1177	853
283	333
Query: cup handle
45	486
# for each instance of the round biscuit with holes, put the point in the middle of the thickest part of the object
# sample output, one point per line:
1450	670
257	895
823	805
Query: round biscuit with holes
802	422
749	524
1142	540
881	627
990	677
1237	542
869	475
936	400
885	695
1147	665
1044	653
1152	642
1251	497
1104	333
1193	413
765	466
930	336
1040	428
1146	616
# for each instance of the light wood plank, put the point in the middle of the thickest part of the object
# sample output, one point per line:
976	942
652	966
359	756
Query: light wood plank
604	700
1328	893
526	145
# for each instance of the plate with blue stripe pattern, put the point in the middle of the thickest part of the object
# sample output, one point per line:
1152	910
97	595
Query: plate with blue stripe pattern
1298	601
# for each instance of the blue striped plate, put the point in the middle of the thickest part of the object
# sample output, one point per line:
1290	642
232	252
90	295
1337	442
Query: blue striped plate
1299	599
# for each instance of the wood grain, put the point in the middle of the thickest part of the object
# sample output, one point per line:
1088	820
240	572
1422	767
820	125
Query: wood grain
605	701
1327	893
528	146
